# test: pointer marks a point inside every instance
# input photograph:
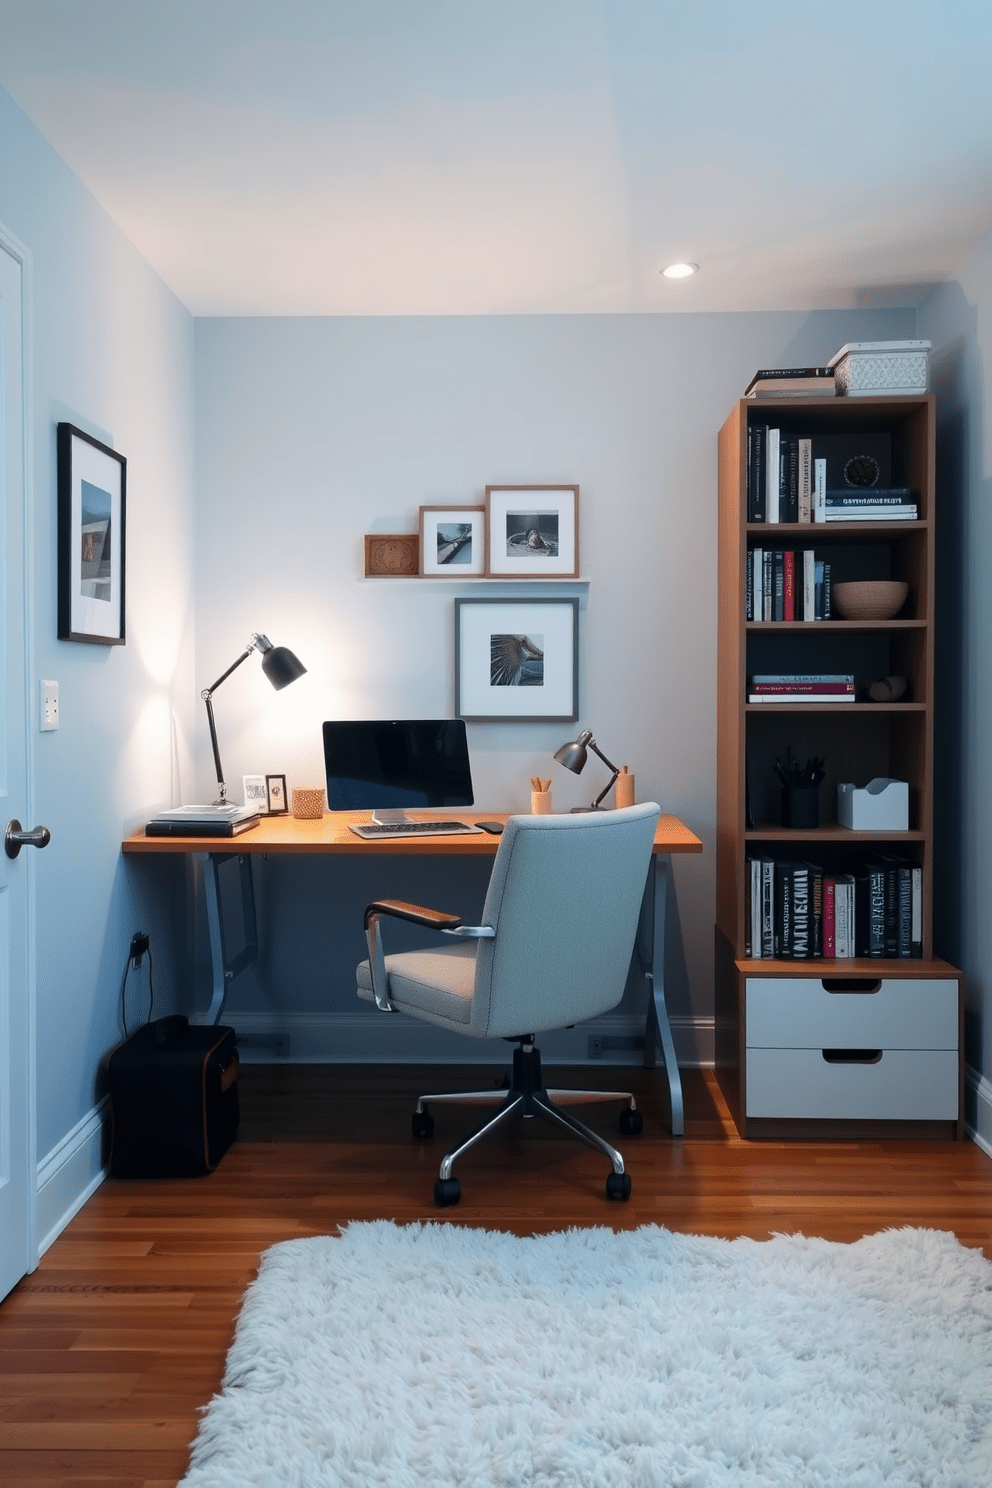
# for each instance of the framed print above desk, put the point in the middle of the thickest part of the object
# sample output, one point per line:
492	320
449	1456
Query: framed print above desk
517	660
91	501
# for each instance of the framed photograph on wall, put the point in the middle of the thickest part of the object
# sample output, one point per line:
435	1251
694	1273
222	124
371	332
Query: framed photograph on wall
91	501
453	541
277	803
517	660
532	532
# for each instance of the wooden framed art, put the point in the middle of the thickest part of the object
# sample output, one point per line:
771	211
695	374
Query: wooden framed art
452	541
91	508
392	555
517	660
532	532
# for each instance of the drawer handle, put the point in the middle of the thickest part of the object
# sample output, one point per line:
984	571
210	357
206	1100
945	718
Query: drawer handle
852	1056
851	984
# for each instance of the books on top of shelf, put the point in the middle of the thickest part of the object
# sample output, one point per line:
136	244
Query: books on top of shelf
789	382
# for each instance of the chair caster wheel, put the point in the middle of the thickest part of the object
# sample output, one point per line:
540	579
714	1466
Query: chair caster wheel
631	1122
447	1191
423	1124
618	1187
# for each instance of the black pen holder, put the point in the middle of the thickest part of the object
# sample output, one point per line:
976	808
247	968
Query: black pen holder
801	806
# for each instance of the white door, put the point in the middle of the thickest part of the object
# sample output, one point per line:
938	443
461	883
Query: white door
18	1181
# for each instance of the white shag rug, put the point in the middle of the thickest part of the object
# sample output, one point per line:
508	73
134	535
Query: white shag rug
428	1356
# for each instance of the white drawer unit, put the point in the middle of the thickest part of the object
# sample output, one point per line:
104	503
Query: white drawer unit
852	1049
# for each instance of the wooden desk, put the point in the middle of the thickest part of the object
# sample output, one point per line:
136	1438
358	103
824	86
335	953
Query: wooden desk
284	835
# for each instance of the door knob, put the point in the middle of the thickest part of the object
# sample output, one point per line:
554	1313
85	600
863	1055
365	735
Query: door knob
15	838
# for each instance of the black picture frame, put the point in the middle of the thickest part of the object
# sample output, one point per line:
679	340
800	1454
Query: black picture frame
92	492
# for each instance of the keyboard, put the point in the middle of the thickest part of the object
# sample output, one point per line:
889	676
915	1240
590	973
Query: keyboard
375	831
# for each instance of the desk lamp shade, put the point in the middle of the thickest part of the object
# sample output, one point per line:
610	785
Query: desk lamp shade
279	664
573	756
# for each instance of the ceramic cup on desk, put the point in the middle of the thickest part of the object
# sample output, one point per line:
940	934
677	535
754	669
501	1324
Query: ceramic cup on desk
308	804
540	803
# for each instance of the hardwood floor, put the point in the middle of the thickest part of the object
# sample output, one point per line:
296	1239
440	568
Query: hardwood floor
110	1347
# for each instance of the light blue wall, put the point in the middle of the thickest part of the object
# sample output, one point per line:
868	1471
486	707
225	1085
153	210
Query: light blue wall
112	353
957	318
311	433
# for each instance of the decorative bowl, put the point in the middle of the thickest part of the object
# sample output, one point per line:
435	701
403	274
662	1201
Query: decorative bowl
870	599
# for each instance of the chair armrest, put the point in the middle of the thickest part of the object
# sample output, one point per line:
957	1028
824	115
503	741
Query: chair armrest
431	919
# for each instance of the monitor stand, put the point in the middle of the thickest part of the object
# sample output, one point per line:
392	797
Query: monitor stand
390	818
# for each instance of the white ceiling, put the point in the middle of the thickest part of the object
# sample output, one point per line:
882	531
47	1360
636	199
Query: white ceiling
364	157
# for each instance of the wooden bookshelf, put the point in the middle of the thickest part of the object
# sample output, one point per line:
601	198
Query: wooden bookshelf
860	741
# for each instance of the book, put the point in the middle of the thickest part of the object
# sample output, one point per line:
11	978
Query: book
844	912
805	480
788	479
870	901
757	566
772	475
767	941
816	909
872	514
789	585
786	382
848	496
760	677
819	489
799	689
203	821
808	584
916	927
778	584
829	924
801	697
756	480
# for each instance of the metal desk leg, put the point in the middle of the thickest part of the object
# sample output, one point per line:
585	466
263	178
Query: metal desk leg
225	968
651	954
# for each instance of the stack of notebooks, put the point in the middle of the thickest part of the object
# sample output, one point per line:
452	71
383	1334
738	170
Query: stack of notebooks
796	687
203	821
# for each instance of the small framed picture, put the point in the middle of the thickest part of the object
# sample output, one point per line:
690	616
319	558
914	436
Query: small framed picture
392	555
91	490
517	660
532	532
255	792
453	541
276	793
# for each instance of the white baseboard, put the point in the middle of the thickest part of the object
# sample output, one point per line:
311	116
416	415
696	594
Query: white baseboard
978	1109
376	1038
71	1172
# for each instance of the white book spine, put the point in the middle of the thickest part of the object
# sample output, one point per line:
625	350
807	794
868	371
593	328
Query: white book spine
819	490
809	584
805	480
772	476
758	583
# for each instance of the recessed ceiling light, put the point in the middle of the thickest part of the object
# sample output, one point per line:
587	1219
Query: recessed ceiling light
680	270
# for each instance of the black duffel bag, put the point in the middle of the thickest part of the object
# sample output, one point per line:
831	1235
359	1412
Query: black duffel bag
174	1099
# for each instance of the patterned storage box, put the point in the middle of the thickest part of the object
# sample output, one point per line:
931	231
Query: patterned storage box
881	369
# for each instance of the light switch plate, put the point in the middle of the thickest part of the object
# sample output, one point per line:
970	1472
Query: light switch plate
49	706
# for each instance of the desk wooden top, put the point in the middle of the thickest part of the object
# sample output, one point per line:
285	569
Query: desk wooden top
284	834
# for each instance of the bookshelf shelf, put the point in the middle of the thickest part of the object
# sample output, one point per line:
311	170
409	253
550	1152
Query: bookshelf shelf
859	741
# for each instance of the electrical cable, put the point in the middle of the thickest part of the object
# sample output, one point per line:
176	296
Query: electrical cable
135	961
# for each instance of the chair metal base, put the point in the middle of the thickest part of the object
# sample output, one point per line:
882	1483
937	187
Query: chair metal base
527	1097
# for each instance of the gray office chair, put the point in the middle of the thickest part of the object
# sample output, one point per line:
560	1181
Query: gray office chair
554	947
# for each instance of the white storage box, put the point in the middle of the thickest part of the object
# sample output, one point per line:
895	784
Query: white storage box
880	369
880	806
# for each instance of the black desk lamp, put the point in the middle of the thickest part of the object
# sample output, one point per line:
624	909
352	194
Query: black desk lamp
280	666
573	757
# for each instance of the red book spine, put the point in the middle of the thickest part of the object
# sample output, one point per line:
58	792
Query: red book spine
789	593
829	923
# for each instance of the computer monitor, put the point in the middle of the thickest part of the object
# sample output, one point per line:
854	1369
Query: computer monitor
384	765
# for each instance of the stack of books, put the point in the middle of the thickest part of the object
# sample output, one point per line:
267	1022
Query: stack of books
792	382
203	821
893	504
795	687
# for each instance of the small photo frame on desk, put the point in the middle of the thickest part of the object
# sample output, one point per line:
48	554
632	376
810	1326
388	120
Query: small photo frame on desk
276	794
91	503
452	541
255	792
532	532
517	660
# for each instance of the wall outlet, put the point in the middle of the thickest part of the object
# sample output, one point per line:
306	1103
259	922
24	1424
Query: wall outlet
49	706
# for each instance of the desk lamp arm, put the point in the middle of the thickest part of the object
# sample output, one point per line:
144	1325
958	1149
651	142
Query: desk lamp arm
257	642
610	766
